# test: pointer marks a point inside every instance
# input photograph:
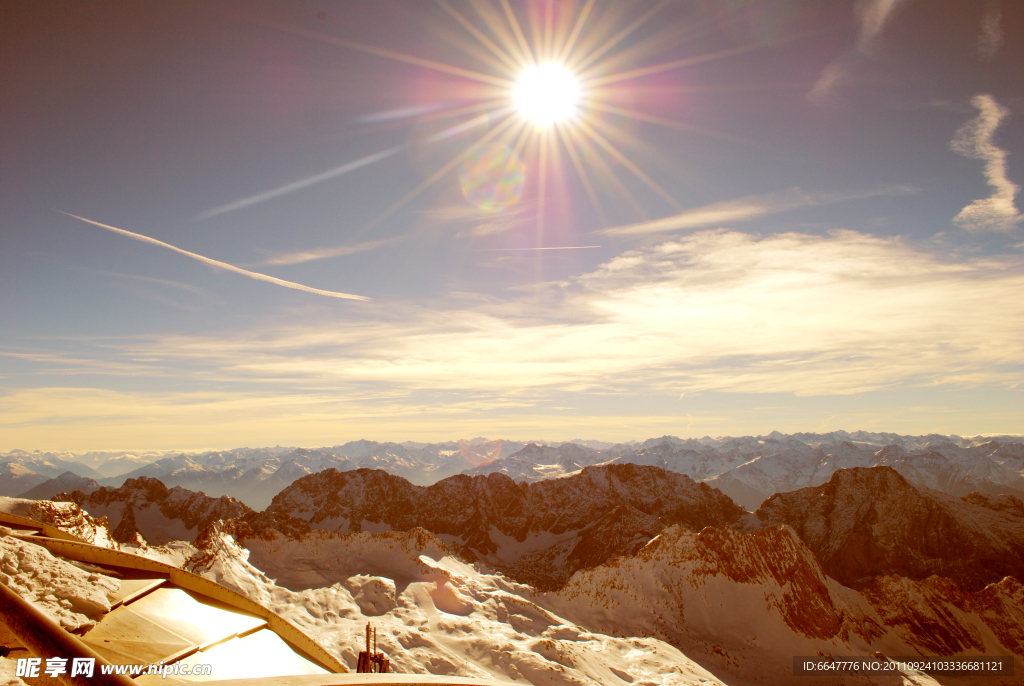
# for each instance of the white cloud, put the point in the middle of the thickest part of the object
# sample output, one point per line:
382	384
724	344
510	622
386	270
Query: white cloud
718	310
975	140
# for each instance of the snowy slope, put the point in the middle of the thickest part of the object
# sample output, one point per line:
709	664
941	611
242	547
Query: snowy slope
433	613
744	604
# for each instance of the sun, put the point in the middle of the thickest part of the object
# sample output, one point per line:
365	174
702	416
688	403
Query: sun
546	94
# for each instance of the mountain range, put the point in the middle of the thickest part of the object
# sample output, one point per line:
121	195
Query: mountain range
747	469
864	563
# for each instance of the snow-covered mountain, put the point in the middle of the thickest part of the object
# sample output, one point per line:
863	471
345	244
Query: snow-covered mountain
748	469
65	483
537	533
146	506
255	476
617	552
21	471
744	604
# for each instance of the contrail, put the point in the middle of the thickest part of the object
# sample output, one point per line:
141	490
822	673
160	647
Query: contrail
219	264
297	185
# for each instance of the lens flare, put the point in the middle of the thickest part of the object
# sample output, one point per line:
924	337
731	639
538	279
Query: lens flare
547	94
492	178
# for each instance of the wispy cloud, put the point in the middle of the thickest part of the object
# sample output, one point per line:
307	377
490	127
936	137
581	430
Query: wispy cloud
711	312
298	185
991	37
873	16
324	253
220	265
975	140
745	209
717	310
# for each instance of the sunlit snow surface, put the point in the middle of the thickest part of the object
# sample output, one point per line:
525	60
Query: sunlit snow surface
437	615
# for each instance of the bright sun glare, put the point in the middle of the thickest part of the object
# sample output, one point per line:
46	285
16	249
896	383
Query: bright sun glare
546	94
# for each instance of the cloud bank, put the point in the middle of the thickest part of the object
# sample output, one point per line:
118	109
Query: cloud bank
715	311
975	140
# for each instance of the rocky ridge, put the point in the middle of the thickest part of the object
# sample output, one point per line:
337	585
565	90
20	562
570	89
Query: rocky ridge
159	514
539	533
867	523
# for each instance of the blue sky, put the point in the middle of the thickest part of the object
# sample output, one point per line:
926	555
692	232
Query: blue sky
780	215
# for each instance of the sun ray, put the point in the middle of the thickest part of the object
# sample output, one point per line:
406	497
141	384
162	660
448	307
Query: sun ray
436	176
518	32
587	60
494	104
566	50
523	138
570	148
509	61
608	173
542	187
500	29
480	56
542	183
628	164
390	54
595	104
549	29
685	62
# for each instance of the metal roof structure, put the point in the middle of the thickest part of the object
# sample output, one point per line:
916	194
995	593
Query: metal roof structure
165	615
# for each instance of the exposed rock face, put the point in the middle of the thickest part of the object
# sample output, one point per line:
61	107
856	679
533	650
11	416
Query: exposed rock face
538	532
126	531
867	523
159	514
999	503
64	514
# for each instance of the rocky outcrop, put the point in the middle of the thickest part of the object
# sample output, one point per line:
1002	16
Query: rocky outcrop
158	513
126	531
868	523
998	503
63	513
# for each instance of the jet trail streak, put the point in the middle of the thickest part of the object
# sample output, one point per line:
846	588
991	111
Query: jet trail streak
220	265
300	184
